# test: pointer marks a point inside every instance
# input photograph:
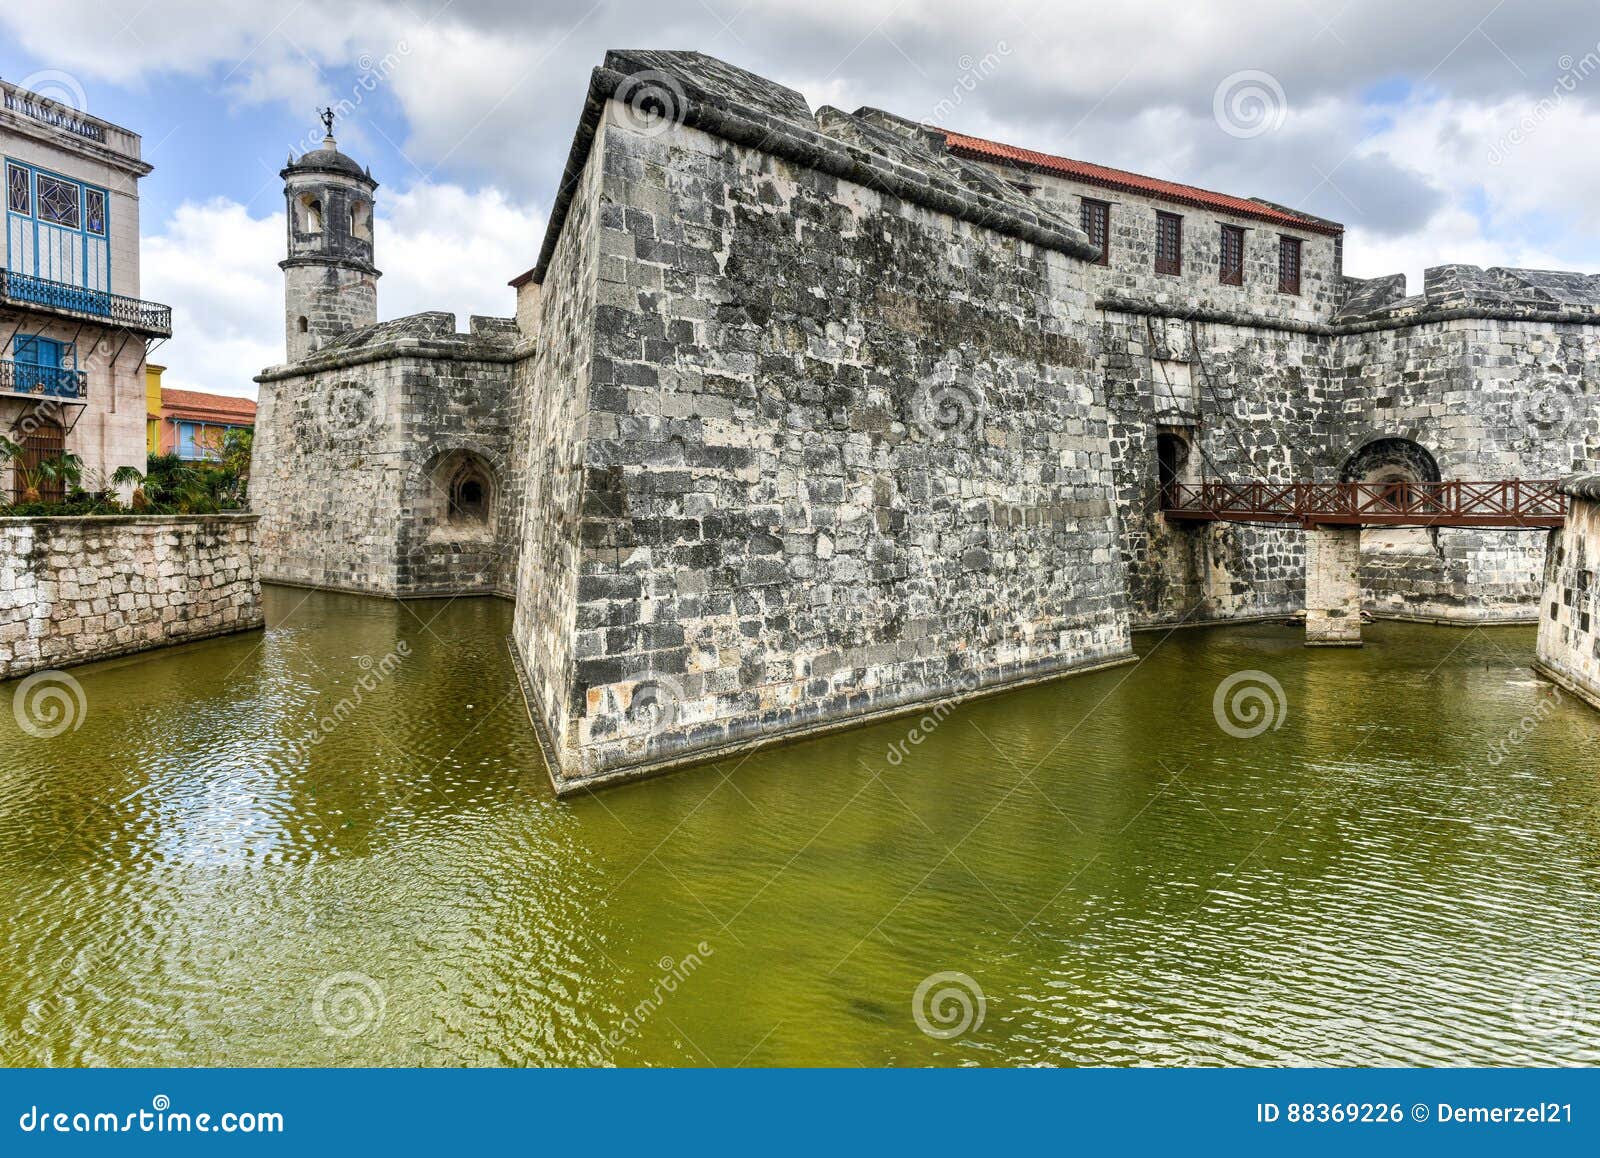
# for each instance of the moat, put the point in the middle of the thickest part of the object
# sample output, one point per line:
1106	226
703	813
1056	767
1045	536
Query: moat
1383	879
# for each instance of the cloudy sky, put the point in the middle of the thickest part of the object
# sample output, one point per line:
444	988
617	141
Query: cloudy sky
1437	131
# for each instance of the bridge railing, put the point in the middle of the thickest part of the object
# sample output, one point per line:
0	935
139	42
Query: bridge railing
1456	503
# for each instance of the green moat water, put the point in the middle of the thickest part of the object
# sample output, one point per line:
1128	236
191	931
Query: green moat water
187	881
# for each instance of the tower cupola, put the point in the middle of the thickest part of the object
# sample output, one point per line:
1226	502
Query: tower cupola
330	281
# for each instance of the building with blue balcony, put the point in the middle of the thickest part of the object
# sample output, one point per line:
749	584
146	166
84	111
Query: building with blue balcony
74	332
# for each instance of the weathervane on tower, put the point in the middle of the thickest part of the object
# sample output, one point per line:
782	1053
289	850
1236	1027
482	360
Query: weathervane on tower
327	119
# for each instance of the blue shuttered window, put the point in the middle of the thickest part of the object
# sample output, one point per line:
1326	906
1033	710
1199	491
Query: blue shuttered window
43	365
57	228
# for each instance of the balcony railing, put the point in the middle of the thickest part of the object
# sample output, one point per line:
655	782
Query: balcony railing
30	381
52	113
75	301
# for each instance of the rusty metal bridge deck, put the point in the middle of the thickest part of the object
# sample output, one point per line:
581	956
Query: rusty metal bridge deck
1511	503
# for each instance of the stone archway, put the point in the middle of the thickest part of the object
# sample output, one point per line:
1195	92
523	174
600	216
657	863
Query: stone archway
1390	459
461	492
1395	561
450	543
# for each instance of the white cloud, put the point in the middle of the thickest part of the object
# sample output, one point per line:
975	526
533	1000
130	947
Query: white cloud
217	267
441	247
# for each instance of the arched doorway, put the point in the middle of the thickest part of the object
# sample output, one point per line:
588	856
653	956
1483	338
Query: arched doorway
1172	453
1395	462
1390	460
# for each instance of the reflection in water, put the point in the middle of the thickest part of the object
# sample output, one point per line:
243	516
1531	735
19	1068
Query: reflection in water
254	852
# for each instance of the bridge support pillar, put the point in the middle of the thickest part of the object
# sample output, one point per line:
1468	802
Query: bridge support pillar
1333	587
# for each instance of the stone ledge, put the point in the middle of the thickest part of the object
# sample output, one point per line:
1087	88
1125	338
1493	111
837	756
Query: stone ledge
464	348
126	520
725	117
1422	317
671	761
1566	682
1581	486
121	651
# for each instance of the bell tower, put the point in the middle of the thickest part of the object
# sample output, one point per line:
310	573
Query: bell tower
330	283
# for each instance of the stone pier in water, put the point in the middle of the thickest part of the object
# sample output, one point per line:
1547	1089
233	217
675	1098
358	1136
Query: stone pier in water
1333	587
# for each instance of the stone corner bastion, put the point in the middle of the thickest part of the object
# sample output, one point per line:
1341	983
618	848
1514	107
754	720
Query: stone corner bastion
1569	619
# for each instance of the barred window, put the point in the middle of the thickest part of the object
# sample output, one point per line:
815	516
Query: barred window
1097	224
1231	268
1288	265
1169	243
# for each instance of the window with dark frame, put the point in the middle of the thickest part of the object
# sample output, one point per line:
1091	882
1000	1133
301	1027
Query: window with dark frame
1169	243
1097	224
1230	270
1288	265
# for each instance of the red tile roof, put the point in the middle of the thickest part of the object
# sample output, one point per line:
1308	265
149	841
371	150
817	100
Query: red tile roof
976	148
198	404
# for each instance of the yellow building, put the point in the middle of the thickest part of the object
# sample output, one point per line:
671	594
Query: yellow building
152	407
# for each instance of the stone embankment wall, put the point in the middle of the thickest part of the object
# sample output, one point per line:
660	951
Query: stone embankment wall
1569	620
73	590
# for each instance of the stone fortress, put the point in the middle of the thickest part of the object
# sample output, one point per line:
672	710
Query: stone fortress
810	418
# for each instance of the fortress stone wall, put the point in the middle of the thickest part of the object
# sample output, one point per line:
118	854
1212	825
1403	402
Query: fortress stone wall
356	450
1569	612
810	417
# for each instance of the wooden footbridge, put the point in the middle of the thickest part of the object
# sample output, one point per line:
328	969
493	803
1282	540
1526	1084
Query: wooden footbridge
1333	514
1510	503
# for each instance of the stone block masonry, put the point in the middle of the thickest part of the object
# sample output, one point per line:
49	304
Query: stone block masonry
1569	619
74	590
1333	587
842	455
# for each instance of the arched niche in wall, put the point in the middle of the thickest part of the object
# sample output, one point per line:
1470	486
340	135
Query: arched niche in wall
461	493
1394	460
307	214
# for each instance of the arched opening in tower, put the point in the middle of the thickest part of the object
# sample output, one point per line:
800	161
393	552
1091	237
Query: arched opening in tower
469	494
308	214
461	490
